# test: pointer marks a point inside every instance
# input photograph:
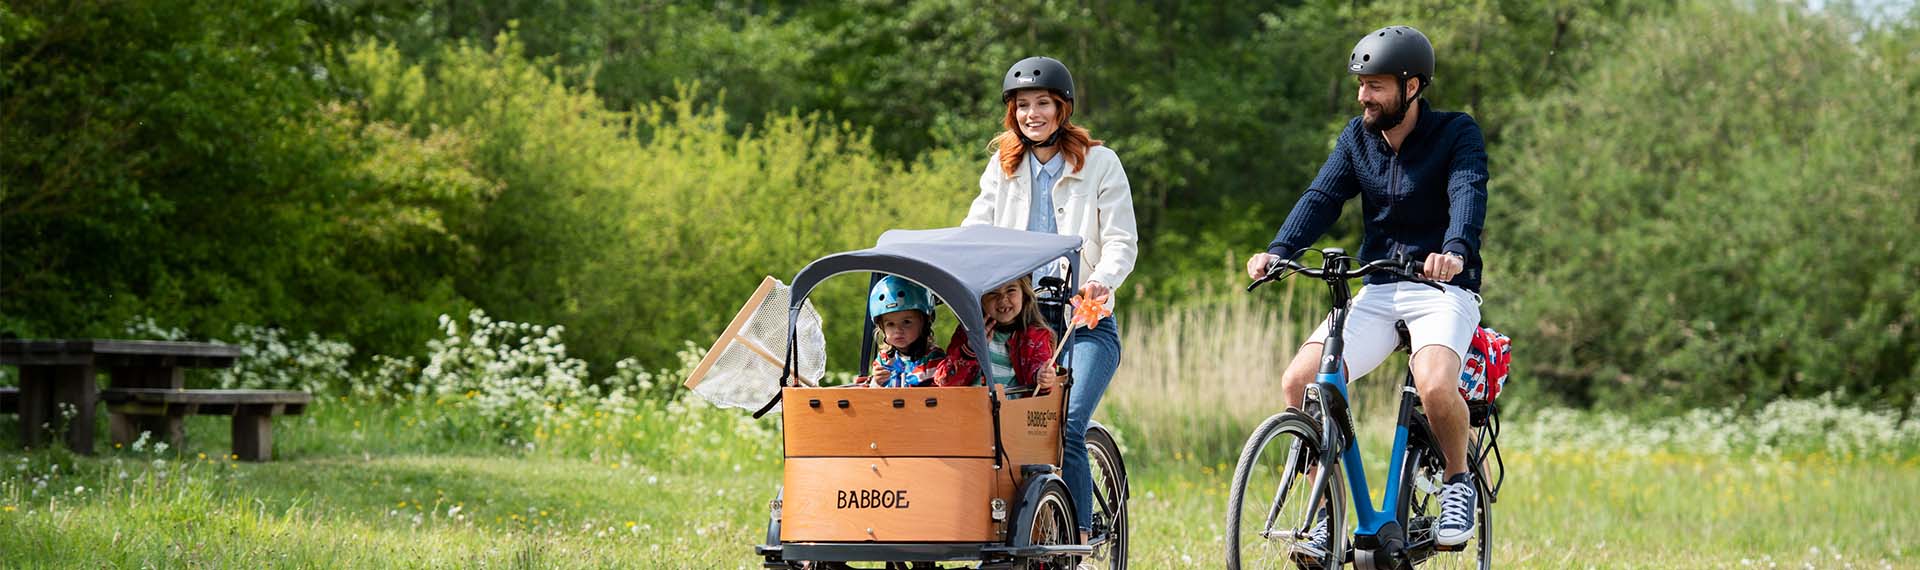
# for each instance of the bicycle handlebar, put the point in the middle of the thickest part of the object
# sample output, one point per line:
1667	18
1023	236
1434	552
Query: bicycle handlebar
1408	268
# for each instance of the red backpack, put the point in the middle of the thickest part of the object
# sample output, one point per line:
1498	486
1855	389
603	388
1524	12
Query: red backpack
1485	371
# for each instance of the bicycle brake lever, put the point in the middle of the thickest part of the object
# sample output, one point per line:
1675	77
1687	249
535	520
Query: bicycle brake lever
1258	282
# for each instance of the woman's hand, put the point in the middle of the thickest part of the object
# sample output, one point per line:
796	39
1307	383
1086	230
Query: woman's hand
1097	291
1045	380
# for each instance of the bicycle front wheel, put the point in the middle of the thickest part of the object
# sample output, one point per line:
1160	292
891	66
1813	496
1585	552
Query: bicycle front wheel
1281	489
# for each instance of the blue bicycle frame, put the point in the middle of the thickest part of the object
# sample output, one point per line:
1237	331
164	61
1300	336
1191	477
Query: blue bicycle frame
1378	526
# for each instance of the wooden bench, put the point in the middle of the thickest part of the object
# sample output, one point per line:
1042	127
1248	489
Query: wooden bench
58	375
161	410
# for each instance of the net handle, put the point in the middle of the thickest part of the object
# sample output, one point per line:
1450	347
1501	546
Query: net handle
730	335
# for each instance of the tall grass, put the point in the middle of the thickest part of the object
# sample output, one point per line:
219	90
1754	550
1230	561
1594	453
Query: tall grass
1194	380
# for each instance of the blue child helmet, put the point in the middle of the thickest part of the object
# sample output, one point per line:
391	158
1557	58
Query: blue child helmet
894	293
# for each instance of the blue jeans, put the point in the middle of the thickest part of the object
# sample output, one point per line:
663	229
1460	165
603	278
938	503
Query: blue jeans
1096	354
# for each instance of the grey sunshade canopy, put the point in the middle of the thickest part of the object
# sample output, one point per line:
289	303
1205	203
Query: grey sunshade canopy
957	264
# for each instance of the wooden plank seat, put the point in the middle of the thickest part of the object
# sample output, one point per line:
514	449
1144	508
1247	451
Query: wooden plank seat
160	410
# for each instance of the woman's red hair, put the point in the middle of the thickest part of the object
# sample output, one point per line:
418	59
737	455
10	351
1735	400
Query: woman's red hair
1074	140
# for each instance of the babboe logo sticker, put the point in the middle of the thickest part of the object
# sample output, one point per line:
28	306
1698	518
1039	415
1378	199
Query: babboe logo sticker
871	499
1040	419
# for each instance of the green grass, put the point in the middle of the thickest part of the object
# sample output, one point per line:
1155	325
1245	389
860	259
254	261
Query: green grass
395	496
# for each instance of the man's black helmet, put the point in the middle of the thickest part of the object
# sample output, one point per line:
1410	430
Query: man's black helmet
1400	51
1038	72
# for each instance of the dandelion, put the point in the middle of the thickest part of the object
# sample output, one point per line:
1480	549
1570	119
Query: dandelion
6	509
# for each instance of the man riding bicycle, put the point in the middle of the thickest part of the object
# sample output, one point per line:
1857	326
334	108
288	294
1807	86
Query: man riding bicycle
1424	175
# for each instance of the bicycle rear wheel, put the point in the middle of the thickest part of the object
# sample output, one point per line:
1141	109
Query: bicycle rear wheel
1421	479
1279	485
1109	500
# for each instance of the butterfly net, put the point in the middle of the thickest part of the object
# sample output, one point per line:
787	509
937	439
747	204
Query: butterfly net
742	370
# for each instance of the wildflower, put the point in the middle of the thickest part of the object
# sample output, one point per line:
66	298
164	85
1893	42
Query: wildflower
6	509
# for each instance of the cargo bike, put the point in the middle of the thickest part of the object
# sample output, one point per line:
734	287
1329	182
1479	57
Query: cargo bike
928	476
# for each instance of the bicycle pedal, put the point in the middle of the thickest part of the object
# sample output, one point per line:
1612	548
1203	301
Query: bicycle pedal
1444	548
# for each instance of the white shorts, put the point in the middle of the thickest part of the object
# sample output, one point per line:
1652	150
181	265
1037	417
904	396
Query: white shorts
1433	318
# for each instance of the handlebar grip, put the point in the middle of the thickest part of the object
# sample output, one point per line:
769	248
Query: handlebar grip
1273	272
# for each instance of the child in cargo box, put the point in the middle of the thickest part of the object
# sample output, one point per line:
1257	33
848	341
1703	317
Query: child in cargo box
1020	346
902	314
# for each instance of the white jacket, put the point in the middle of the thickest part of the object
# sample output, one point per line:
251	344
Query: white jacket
1095	203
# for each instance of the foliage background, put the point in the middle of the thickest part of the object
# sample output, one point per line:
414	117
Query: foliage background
1693	203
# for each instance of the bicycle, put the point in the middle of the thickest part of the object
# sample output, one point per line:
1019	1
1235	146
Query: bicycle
1317	445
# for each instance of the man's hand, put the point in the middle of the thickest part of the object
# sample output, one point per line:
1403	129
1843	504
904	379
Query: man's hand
1442	266
1258	264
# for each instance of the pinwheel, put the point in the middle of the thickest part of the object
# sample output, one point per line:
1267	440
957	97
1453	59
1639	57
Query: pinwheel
1087	312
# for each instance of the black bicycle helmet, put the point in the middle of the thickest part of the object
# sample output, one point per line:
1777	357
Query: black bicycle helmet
1038	72
1400	51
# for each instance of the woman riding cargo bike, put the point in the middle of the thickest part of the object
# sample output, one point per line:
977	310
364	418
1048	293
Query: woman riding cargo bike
931	473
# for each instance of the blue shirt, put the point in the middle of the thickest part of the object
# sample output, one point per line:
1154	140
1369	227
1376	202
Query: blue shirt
1040	208
1429	197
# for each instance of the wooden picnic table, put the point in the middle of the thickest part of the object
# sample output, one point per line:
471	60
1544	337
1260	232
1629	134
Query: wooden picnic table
61	374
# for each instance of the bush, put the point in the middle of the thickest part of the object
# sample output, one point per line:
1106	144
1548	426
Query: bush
638	230
1718	214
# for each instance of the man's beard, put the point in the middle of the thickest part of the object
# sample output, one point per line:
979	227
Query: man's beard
1383	120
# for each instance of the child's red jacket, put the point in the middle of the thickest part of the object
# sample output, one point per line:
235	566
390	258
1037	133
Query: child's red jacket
1027	349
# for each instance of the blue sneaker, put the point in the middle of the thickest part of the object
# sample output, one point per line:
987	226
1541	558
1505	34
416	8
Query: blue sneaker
1312	552
1457	501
